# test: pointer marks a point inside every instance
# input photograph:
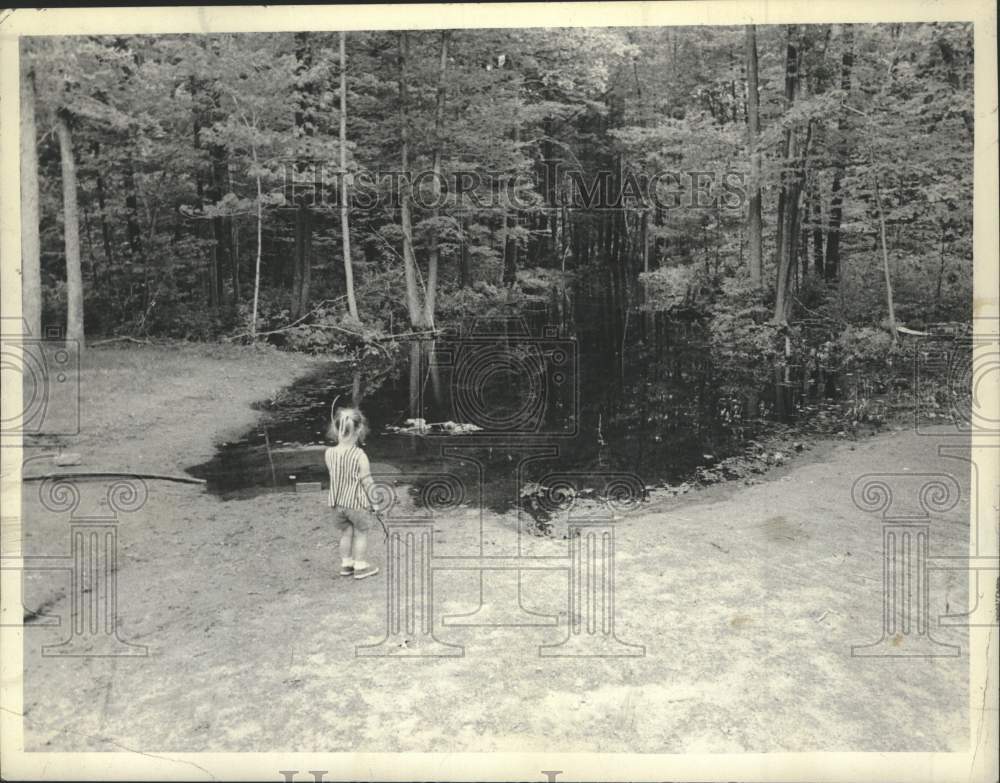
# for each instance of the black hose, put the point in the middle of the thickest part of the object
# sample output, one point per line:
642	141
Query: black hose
109	474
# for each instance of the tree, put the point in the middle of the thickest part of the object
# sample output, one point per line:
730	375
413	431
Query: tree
754	228
417	319
345	226
831	260
178	196
792	177
432	255
306	127
885	257
251	128
71	231
31	270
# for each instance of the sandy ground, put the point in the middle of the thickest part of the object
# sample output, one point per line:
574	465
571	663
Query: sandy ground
746	599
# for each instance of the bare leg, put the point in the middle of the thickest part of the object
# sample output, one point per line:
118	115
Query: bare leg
346	537
360	548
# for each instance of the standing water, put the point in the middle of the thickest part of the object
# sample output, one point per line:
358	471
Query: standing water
630	394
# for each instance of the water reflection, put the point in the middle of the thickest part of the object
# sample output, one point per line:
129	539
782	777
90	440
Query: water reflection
638	395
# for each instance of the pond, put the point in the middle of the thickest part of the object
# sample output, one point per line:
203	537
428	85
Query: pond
595	393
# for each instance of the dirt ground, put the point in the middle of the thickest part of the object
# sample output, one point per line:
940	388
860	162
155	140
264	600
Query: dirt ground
746	599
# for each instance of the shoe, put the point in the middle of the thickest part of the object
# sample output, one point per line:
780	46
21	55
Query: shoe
347	570
365	572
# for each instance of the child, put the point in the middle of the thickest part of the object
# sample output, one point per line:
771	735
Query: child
350	479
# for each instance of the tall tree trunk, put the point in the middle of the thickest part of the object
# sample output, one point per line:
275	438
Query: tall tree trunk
817	229
509	274
303	266
132	212
305	124
71	233
463	257
788	204
754	229
885	258
260	241
804	231
511	249
831	263
234	226
31	269
222	251
345	225
940	275
432	255
409	259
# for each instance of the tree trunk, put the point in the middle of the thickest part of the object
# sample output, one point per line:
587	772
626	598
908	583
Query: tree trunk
132	212
345	226
432	256
234	226
303	262
220	225
817	230
305	125
645	240
885	258
463	258
831	263
409	260
940	275
804	232
788	204
71	234
31	269
260	240
754	229
509	273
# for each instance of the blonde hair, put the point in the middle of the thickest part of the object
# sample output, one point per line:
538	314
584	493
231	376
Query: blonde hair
348	426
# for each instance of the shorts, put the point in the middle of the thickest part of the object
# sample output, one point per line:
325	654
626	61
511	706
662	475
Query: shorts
362	519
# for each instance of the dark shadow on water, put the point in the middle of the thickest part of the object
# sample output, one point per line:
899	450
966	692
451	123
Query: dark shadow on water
603	395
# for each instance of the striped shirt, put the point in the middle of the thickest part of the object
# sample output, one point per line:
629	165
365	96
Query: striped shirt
348	466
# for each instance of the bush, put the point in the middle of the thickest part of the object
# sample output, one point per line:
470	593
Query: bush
869	353
333	332
746	346
668	287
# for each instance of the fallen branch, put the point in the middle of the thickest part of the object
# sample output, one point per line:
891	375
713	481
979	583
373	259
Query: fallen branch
360	336
122	338
292	325
818	314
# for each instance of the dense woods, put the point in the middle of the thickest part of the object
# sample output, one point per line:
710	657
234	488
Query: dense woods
319	187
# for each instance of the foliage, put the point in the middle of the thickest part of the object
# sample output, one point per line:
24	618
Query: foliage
746	346
668	287
172	133
870	354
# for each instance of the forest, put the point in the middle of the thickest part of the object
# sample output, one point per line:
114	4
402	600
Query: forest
797	189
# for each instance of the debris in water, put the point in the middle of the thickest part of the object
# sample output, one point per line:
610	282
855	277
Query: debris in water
421	427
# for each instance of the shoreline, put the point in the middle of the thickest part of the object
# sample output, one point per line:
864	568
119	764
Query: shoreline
251	634
193	439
